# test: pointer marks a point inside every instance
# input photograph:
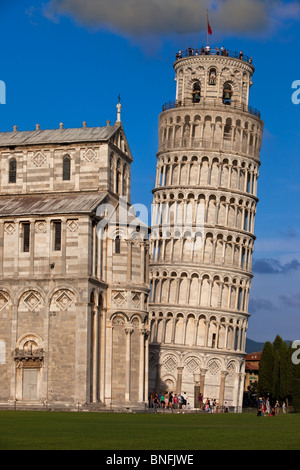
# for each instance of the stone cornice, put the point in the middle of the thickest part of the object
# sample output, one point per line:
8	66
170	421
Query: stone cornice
209	60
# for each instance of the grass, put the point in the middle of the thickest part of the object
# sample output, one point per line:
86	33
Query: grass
112	431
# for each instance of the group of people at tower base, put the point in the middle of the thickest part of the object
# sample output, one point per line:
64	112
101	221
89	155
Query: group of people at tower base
265	408
207	51
170	401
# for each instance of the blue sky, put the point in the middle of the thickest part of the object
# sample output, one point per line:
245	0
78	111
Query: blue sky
67	61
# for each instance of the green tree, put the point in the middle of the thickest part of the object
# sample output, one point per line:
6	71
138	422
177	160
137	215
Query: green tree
266	363
279	390
277	343
284	370
276	374
279	377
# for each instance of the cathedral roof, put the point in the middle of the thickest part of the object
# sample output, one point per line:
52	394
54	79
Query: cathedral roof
57	136
37	204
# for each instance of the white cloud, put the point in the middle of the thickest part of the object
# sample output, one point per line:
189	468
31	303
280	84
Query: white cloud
139	17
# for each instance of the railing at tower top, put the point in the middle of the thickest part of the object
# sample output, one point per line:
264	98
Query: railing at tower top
217	52
212	104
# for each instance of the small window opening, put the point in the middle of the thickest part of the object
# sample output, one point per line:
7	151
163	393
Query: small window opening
117	245
212	76
12	178
227	94
57	236
196	93
67	168
26	237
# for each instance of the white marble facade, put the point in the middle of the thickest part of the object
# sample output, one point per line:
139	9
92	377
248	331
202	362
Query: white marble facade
204	206
73	280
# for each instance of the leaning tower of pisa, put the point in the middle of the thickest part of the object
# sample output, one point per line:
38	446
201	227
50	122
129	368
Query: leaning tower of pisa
204	206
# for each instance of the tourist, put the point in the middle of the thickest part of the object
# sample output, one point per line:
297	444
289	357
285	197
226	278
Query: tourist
214	405
241	55
156	402
170	400
151	400
166	400
184	399
180	401
200	400
175	405
226	408
207	406
283	407
159	400
260	410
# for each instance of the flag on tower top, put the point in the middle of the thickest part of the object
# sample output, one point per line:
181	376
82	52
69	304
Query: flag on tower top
209	30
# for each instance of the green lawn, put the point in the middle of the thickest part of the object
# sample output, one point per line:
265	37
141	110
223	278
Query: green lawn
114	431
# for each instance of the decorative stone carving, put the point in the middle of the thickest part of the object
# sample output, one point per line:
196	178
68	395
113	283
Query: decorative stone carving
170	362
89	155
38	159
231	369
30	355
119	298
192	364
64	299
32	300
152	362
118	321
9	228
214	366
72	225
136	299
41	227
4	301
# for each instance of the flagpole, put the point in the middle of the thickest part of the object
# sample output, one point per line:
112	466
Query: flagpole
207	27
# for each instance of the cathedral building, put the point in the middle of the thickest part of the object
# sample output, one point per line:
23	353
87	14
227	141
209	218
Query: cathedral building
73	276
204	206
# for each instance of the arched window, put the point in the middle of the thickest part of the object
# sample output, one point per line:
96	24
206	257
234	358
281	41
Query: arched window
212	77
12	178
227	93
117	245
66	168
125	176
196	92
228	129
